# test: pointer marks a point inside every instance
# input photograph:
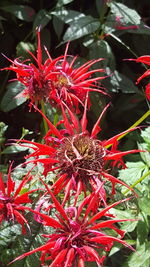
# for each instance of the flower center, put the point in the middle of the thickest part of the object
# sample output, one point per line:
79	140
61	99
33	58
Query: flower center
81	157
39	88
63	85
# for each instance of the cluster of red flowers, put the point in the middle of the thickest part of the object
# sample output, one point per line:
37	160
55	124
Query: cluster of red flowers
80	161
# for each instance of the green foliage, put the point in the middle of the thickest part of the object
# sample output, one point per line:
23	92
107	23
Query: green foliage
11	98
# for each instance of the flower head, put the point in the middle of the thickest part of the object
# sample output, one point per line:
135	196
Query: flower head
144	60
34	76
81	159
78	236
12	201
56	80
70	84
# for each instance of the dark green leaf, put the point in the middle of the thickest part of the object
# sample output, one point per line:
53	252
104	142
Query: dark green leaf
63	2
13	149
83	26
58	26
22	48
21	12
10	99
68	16
41	19
119	82
125	14
101	49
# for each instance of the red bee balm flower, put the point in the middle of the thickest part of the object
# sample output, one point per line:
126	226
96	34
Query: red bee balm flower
78	155
11	201
56	81
144	60
78	237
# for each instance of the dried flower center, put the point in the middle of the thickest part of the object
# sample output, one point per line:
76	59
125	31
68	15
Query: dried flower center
81	157
39	89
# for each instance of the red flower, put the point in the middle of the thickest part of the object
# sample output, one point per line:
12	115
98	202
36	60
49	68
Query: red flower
82	159
34	77
78	236
71	84
56	81
12	201
144	60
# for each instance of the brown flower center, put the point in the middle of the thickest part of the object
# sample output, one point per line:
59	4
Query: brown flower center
39	89
81	156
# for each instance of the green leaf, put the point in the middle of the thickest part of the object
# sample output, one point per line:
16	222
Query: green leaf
13	149
67	16
21	12
101	49
139	258
128	226
146	135
144	204
63	2
126	15
41	19
119	82
22	244
81	27
144	155
142	230
10	100
22	48
133	172
3	128
58	26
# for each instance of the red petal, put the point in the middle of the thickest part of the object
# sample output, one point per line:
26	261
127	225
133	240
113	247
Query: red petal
51	126
143	59
81	263
84	119
57	204
102	212
92	252
107	239
114	180
109	223
96	129
147	91
39	51
2	186
47	220
59	258
21	220
116	137
44	247
58	183
10	182
70	256
26	179
118	155
146	73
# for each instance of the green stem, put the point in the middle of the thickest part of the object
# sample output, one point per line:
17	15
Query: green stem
134	125
44	121
137	182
